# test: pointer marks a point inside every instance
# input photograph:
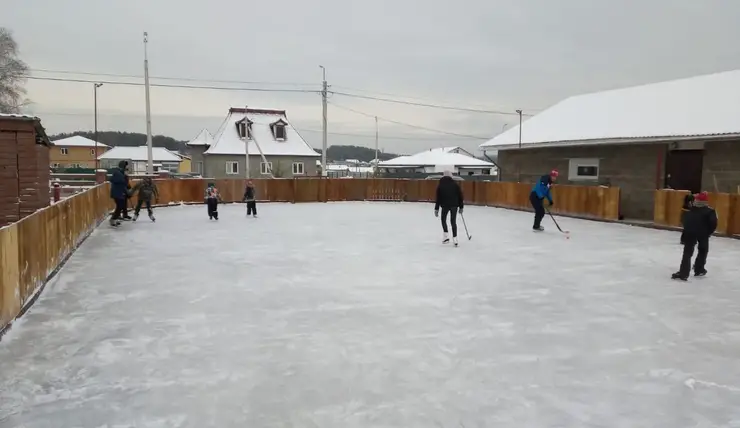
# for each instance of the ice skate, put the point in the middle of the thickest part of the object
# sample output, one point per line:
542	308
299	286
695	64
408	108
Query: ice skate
136	216
151	217
255	215
454	240
445	238
538	229
115	223
700	272
678	276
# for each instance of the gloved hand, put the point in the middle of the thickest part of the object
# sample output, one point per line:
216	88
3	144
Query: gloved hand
436	213
552	203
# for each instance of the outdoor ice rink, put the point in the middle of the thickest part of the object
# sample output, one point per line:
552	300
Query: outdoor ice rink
355	315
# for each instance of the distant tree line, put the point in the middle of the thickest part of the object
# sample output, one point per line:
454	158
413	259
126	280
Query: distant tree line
127	139
364	154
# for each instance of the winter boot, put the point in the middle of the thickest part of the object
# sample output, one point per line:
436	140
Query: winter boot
454	240
445	238
678	275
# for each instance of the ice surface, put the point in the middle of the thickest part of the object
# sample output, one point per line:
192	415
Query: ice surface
355	315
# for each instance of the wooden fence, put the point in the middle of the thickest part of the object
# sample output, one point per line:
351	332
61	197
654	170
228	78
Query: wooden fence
33	248
668	203
585	201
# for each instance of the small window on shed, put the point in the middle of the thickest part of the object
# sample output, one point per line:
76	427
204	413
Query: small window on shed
583	169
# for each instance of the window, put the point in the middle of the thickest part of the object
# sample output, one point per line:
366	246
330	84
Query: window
243	129
266	168
64	150
298	168
196	167
55	165
232	168
92	152
583	169
75	165
280	132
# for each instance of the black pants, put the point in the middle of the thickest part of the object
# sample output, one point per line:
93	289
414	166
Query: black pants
125	208
539	209
453	219
688	252
143	201
251	207
212	207
120	207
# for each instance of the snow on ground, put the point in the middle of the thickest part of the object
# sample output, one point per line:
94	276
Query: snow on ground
354	315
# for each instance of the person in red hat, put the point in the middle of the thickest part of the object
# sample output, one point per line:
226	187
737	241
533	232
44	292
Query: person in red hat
540	191
699	223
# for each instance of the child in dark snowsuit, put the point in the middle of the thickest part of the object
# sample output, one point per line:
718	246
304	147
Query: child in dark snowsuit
212	199
540	192
249	198
687	202
699	223
146	189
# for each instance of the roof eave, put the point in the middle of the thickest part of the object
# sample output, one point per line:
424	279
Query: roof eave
612	141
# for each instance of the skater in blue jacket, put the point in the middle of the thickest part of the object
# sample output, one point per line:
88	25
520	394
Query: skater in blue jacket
540	192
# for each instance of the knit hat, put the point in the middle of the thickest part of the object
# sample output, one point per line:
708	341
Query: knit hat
702	197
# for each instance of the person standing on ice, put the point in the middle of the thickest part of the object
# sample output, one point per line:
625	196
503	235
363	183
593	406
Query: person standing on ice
688	200
699	223
249	198
118	192
540	191
212	199
147	189
450	198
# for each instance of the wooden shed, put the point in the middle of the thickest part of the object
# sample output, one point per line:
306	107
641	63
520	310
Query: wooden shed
24	167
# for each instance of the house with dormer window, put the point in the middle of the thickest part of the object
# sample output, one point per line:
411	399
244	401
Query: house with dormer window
276	149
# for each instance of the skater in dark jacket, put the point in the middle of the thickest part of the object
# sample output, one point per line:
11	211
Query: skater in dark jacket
213	197
699	223
249	197
129	192
688	200
147	189
540	192
450	198
118	192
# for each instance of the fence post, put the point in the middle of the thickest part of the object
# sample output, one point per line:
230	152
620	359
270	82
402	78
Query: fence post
57	191
100	175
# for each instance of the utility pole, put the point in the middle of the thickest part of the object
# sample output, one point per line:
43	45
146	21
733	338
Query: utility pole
95	120
323	136
149	155
246	141
519	173
375	173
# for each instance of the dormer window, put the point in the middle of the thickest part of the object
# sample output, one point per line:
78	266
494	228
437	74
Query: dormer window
244	128
279	130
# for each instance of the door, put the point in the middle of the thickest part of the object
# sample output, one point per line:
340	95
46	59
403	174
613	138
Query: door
684	169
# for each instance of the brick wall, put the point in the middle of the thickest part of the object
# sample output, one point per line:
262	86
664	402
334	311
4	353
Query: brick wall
632	168
721	162
24	171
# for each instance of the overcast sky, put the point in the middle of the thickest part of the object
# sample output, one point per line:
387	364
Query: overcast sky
496	55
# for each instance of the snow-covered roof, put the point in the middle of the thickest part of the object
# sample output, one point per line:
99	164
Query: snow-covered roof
159	154
18	116
228	142
204	138
701	106
77	141
436	157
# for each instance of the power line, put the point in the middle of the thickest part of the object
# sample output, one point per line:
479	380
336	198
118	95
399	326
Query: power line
383	136
184	79
163	85
418	104
411	125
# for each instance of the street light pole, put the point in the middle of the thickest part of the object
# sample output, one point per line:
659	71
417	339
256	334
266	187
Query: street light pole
149	155
95	97
375	173
323	136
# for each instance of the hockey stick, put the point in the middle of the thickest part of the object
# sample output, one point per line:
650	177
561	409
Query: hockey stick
556	223
466	227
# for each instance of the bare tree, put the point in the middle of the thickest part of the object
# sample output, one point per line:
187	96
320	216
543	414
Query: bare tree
13	74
